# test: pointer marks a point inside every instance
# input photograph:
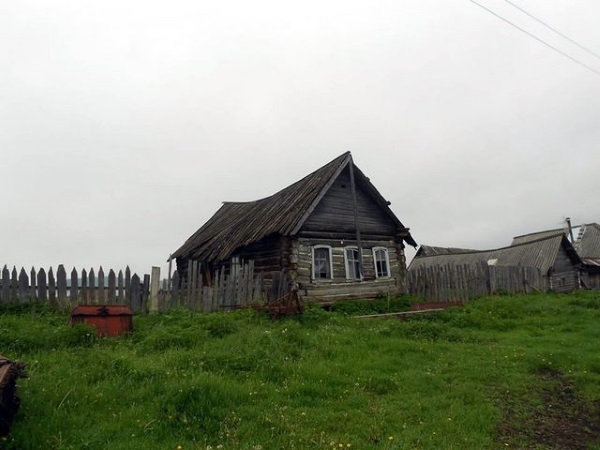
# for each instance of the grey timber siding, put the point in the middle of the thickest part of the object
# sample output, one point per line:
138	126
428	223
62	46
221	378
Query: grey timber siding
564	276
339	286
554	256
268	255
591	280
335	211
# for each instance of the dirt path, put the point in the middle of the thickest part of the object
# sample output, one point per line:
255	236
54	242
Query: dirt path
554	417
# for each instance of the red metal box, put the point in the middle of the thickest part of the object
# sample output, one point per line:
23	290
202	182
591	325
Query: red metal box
109	320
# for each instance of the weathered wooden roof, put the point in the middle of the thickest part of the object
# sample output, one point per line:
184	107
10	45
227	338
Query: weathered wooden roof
540	253
237	224
430	250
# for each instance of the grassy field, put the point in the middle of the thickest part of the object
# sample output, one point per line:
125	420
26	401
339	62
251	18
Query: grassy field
502	372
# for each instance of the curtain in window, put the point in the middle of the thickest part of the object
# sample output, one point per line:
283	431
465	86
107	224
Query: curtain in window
381	263
322	265
353	265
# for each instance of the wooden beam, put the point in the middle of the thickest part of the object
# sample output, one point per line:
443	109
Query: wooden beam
356	223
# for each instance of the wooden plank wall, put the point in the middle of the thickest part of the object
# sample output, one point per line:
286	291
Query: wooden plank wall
591	280
75	288
448	283
335	211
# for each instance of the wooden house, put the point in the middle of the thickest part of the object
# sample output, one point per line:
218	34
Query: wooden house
331	233
552	254
586	241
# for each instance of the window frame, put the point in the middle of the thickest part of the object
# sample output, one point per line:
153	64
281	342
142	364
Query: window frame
359	275
387	261
319	247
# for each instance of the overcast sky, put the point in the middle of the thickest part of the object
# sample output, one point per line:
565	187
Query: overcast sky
125	124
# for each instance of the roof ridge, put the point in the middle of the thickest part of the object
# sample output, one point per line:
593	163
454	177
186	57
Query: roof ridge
471	252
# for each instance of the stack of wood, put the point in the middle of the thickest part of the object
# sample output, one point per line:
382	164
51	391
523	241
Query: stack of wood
9	402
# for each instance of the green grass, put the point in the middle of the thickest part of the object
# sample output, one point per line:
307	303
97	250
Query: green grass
322	381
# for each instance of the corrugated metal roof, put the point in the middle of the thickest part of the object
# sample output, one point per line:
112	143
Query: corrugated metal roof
588	244
540	253
537	235
587	239
238	224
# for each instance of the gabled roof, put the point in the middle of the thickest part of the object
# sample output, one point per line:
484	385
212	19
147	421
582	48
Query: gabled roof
537	235
430	250
540	253
237	224
587	241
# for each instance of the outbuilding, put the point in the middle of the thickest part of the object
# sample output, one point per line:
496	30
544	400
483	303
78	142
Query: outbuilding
552	254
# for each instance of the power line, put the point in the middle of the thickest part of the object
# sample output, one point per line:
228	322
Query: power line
537	38
553	29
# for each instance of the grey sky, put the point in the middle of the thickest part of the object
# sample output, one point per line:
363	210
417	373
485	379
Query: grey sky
124	124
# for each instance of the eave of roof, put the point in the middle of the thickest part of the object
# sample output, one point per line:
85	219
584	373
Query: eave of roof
431	250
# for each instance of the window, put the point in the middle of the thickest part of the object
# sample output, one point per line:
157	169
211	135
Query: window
352	258
322	262
382	262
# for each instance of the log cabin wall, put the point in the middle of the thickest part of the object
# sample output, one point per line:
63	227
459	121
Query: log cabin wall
270	255
339	286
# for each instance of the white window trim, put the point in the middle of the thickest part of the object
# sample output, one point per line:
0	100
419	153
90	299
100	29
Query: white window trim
347	265
328	247
387	261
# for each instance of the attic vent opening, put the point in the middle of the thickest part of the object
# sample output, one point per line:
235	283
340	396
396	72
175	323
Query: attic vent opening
343	186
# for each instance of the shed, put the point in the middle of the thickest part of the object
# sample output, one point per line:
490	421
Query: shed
586	242
552	254
331	232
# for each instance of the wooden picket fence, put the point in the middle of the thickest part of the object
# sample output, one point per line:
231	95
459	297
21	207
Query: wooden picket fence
226	290
447	283
80	287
